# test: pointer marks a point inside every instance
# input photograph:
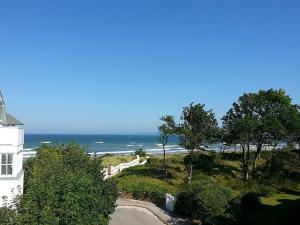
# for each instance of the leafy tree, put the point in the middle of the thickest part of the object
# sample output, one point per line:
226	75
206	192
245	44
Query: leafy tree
166	129
66	186
259	118
274	113
240	127
197	128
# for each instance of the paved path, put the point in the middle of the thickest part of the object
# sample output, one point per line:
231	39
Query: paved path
135	211
132	215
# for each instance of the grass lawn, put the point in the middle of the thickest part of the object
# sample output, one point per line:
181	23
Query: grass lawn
116	159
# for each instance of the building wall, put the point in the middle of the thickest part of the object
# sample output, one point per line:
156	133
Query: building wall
11	142
10	189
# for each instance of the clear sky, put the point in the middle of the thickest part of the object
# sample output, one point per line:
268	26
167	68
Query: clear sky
114	67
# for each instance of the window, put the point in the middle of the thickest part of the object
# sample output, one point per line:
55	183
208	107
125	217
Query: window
6	164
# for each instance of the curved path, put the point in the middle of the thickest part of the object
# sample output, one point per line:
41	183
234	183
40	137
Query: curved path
132	215
142	213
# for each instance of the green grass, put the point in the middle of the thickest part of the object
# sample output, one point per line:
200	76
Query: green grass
114	160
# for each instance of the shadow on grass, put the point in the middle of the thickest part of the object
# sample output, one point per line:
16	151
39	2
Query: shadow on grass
285	213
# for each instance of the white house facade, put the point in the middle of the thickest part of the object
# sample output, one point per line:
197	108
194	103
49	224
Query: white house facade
11	160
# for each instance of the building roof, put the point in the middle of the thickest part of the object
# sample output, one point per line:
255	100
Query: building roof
11	120
6	118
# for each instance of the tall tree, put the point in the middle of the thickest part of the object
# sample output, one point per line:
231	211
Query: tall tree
239	126
198	127
274	112
260	118
66	186
166	129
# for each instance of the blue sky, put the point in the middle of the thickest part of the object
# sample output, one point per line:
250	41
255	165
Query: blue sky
114	67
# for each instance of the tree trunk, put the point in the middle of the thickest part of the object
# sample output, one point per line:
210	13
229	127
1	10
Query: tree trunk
190	173
269	161
190	169
245	163
257	156
164	162
248	161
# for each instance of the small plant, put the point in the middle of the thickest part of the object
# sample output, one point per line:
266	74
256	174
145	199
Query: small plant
141	152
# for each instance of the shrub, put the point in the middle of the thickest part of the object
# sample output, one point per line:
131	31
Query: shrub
141	152
251	201
202	161
144	188
205	200
7	216
266	191
66	186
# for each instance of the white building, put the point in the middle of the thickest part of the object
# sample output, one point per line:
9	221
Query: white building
11	163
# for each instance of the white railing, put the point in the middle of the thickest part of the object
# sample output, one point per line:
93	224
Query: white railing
114	170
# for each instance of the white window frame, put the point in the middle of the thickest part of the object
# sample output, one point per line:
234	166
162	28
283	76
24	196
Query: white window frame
5	163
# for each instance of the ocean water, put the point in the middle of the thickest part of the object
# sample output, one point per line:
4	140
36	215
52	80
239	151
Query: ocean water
102	144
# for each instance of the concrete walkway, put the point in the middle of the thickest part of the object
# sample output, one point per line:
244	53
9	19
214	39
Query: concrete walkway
164	216
132	215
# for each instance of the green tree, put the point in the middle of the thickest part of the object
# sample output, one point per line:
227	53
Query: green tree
166	129
198	127
66	186
239	124
274	113
259	118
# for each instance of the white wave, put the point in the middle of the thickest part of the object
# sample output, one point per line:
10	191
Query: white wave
135	145
167	146
45	142
111	152
167	149
99	142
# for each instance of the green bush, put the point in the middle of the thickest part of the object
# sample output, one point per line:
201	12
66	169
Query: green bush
251	202
143	190
7	216
266	191
141	152
201	161
206	201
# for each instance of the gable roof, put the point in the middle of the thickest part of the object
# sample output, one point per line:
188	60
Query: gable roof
6	118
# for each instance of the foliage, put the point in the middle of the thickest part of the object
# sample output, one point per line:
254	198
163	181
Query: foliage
204	200
166	129
197	128
66	186
144	187
141	152
7	216
260	118
114	160
282	169
251	201
201	161
266	191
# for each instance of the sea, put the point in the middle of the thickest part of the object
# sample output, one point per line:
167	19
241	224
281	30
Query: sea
104	144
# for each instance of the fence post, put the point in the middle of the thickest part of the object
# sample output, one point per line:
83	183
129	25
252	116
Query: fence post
170	202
